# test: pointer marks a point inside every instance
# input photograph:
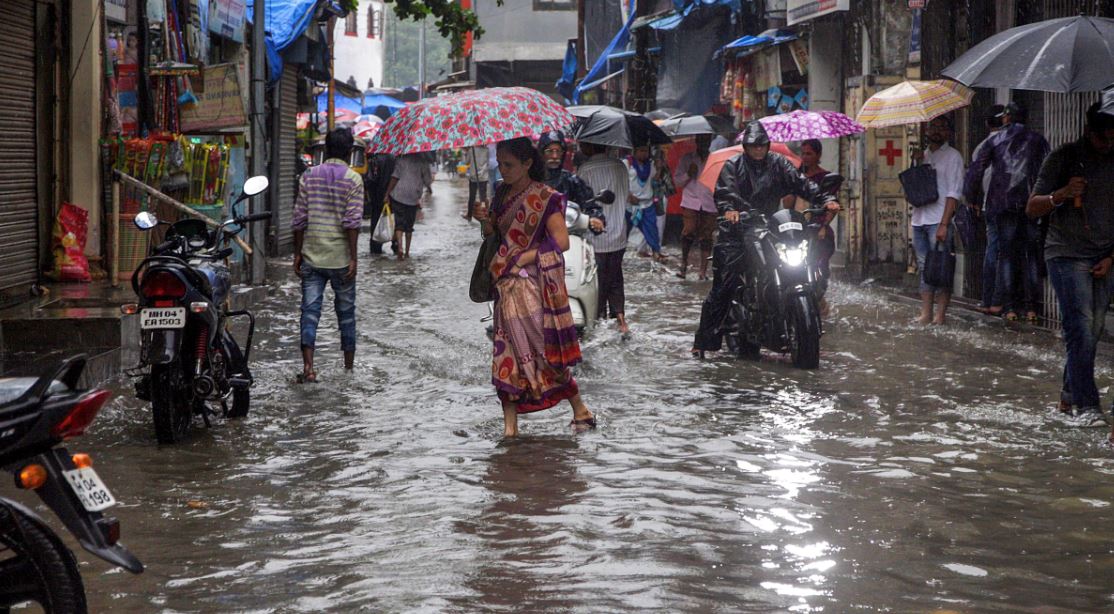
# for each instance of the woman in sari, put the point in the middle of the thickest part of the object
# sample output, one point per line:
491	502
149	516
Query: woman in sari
535	339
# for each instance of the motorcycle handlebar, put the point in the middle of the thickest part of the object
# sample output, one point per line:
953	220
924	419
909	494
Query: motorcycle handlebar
255	217
165	246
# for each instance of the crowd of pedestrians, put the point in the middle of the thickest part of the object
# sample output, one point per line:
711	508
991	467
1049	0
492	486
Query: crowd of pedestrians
1045	213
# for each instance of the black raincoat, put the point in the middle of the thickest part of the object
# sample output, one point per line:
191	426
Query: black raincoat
575	189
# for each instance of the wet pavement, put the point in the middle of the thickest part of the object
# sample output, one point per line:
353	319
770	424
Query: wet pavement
917	470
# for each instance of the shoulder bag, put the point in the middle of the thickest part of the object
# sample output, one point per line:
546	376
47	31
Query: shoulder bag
481	288
919	184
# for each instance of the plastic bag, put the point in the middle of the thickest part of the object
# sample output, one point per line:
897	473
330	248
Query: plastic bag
635	240
384	230
68	244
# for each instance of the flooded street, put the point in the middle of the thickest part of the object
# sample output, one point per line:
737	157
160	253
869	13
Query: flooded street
917	470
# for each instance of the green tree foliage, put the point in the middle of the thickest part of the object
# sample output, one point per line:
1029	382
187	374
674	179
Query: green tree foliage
452	21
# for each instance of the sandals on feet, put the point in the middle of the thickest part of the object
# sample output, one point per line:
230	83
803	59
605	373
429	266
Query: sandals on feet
584	424
307	378
1011	316
1032	317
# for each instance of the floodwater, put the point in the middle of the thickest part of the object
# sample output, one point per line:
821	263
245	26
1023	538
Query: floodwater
918	470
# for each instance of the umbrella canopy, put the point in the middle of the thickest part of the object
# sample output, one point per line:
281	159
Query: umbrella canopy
665	113
803	125
613	127
913	102
718	158
476	117
1107	102
722	125
686	126
365	130
1072	54
374	101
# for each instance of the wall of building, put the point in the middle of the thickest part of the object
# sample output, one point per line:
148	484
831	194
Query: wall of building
360	55
83	181
522	30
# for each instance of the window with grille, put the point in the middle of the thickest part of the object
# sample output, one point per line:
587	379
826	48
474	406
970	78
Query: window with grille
375	23
350	24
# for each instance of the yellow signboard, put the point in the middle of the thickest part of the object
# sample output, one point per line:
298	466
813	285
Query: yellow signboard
219	104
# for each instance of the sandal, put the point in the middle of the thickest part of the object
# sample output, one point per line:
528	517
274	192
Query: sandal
1032	317
307	378
588	423
1011	316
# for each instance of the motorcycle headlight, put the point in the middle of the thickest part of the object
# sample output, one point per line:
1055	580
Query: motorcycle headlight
793	256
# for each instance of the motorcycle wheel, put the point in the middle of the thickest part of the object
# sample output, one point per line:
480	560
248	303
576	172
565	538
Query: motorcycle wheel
804	332
736	340
241	401
170	404
41	569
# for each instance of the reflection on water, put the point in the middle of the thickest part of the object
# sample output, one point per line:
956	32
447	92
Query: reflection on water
916	471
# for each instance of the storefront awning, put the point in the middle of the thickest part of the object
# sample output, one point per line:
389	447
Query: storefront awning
750	44
669	20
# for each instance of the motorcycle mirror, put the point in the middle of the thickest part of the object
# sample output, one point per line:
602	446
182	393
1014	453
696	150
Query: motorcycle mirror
255	185
831	183
606	197
145	220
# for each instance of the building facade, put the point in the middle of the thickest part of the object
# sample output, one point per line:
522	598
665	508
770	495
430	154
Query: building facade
359	46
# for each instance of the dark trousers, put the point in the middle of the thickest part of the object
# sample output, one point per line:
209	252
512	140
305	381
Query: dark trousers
612	297
728	259
374	209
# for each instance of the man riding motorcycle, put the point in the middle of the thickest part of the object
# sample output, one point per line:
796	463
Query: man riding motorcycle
755	180
552	147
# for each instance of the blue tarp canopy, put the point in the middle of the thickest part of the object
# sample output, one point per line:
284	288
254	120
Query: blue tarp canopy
622	37
285	21
374	101
340	101
567	83
750	43
682	9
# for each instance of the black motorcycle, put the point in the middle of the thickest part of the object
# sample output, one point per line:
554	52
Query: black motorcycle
188	357
777	307
36	416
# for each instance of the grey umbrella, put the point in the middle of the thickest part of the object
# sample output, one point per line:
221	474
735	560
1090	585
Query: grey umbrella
1107	102
614	127
1072	54
687	126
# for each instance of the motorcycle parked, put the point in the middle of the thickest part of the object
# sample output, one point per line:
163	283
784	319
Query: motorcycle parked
581	280
188	357
779	308
36	416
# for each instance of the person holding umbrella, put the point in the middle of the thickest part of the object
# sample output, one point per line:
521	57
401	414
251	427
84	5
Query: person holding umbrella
1075	188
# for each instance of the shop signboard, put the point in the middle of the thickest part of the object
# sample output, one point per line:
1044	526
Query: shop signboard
799	11
226	18
220	105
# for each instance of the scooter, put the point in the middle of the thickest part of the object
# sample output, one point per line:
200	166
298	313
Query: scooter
779	308
36	416
581	280
188	357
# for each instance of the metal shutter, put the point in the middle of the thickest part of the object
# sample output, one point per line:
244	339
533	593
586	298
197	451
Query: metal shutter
287	181
19	257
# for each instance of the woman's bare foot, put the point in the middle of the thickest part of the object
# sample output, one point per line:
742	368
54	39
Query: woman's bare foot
510	420
623	328
925	319
582	419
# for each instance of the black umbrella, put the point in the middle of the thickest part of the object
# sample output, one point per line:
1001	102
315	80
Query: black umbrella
666	113
687	126
722	125
613	127
1107	102
1072	54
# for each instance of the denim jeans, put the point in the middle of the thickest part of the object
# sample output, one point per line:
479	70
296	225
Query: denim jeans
1083	302
1014	240
924	239
344	300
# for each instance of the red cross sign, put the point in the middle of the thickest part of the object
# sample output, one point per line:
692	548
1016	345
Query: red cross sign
889	152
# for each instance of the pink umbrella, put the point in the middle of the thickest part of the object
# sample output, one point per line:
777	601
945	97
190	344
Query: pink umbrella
803	125
365	130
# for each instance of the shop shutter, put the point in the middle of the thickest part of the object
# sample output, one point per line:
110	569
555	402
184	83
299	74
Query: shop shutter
19	261
287	147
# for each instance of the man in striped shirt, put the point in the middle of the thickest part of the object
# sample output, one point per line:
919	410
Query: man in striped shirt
326	226
606	173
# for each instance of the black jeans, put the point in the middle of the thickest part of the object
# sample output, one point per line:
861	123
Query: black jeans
729	259
612	296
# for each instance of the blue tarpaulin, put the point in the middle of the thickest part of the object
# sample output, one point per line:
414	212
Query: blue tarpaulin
340	101
285	21
567	83
374	101
600	67
750	43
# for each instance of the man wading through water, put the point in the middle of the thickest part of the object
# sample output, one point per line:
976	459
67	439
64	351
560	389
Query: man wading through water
326	227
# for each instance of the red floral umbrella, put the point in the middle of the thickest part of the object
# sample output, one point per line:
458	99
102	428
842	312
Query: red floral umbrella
469	118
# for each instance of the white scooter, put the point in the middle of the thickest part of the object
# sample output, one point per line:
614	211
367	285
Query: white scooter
581	280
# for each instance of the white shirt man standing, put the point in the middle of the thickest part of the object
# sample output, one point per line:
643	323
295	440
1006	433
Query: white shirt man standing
931	223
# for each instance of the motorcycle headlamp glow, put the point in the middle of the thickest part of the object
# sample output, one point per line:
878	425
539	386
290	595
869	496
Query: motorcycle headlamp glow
793	255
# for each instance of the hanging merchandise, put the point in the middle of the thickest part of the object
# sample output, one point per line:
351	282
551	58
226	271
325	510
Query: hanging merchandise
773	97
802	99
68	244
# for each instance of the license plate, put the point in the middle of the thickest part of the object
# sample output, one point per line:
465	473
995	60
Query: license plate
168	317
89	488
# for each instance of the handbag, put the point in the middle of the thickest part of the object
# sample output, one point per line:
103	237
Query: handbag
919	184
384	229
939	266
481	288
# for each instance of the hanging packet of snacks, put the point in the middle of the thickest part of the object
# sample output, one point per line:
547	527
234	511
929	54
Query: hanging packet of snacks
71	228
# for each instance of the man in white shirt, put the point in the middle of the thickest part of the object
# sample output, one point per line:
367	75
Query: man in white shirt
603	172
475	158
931	223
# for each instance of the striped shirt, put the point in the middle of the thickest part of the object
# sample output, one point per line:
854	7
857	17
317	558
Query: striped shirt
604	173
413	175
330	201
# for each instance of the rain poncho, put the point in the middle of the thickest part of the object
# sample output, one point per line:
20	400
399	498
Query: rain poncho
745	184
1014	156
